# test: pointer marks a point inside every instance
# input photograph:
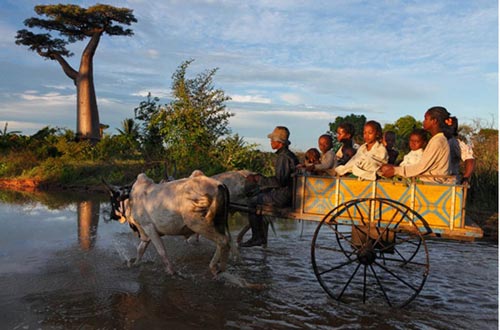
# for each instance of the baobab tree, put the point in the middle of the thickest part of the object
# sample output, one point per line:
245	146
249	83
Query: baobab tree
74	23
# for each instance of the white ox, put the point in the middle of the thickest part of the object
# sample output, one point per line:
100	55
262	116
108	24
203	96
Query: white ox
197	204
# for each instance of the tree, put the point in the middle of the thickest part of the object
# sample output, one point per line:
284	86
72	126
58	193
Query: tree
195	119
357	120
75	23
403	128
147	113
7	139
234	154
130	129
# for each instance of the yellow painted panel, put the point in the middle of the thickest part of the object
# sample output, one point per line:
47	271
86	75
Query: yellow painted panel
436	203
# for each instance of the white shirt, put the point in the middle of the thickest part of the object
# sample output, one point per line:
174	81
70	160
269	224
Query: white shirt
465	150
413	157
365	163
435	161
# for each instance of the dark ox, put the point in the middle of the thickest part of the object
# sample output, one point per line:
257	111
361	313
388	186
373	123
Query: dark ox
197	204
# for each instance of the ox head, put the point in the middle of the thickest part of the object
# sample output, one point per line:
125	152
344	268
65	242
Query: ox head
118	197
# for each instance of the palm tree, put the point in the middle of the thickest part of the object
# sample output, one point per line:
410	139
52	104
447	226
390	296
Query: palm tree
130	129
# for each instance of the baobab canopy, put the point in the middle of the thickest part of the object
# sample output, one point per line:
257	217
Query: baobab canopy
74	23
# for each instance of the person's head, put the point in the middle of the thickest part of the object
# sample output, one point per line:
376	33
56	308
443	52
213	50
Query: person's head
312	156
437	119
372	132
325	143
279	137
345	131
417	139
389	139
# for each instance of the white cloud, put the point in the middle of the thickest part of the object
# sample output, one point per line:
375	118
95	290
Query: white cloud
60	87
153	53
291	98
250	99
155	92
52	98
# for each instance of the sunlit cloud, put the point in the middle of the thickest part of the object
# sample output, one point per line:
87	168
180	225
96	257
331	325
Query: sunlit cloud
153	53
291	98
250	99
60	87
48	98
155	92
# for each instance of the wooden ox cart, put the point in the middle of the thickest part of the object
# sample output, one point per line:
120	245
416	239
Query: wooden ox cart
370	242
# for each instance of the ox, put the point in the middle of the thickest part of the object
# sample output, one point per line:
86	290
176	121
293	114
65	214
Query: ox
235	182
238	191
197	204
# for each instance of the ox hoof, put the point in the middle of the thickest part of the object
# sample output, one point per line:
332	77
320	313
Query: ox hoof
170	271
131	263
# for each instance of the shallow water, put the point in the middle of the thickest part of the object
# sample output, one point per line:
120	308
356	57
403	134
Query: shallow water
63	266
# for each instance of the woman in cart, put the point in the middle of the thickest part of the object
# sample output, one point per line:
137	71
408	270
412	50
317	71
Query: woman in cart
435	162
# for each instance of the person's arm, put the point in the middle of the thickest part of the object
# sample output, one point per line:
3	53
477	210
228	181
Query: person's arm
432	154
469	168
327	162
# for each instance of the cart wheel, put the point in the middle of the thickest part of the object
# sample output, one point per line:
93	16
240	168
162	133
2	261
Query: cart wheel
372	250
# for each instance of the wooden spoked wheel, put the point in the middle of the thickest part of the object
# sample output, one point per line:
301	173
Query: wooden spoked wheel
371	250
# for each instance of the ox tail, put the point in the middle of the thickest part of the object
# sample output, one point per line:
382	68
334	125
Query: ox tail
221	206
222	217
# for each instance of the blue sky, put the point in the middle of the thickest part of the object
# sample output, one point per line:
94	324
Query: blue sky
283	62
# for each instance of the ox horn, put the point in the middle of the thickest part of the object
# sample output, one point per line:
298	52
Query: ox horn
174	175
110	187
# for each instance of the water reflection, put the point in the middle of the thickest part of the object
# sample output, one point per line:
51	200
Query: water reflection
88	212
88	209
55	277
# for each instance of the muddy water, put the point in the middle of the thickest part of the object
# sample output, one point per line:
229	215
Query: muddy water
63	266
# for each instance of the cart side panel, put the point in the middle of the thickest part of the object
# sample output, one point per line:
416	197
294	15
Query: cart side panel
314	195
351	189
440	205
397	191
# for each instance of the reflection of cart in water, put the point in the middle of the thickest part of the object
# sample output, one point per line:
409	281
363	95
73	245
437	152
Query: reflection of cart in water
370	244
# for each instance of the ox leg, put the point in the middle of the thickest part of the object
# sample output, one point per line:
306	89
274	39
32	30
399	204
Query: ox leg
160	248
242	233
221	255
141	248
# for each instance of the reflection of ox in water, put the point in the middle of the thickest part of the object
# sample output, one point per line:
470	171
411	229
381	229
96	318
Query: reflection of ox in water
197	204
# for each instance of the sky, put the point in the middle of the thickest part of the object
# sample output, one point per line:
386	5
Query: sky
299	64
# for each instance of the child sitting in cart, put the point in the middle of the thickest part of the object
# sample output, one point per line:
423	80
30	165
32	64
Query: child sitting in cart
327	161
389	141
345	134
311	158
417	142
369	157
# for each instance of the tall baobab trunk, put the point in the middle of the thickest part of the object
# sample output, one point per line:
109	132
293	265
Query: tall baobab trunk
87	117
87	114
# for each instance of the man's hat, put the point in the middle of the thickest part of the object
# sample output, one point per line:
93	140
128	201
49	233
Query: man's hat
280	134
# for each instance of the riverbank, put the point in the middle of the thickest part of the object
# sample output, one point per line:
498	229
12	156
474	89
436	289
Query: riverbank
31	185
